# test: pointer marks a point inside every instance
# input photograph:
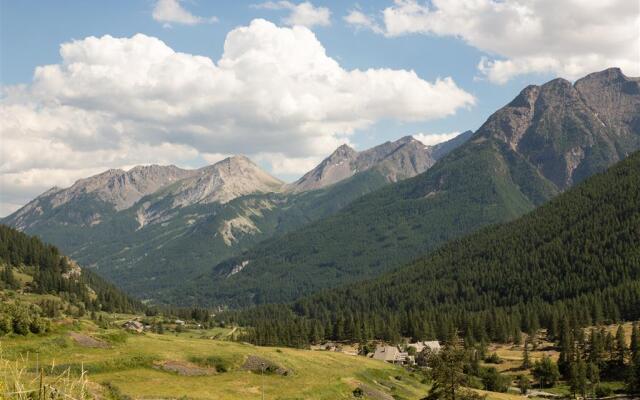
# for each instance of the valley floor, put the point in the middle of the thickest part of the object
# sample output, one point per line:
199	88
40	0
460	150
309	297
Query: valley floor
152	366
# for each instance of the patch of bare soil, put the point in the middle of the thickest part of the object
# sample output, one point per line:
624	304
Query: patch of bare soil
259	364
184	368
88	341
372	393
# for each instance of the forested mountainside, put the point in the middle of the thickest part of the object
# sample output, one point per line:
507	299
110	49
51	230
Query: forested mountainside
547	139
575	259
151	226
46	271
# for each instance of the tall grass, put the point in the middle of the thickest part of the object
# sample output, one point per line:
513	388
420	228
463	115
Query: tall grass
18	382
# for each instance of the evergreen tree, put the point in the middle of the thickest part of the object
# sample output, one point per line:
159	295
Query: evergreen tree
635	342
578	378
593	376
621	347
447	371
546	372
524	384
526	363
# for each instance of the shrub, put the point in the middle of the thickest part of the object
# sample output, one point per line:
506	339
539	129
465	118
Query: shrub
220	364
603	391
493	358
493	381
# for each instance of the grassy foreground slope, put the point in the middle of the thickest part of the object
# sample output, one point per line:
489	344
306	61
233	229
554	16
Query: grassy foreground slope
137	365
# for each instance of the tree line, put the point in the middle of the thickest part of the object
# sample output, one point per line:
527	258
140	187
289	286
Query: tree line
576	258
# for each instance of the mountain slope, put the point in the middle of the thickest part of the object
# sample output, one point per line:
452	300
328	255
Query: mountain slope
47	271
401	159
548	138
576	257
151	226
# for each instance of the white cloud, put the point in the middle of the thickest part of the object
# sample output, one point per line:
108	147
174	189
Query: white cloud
568	38
303	14
284	165
171	11
360	20
273	94
430	139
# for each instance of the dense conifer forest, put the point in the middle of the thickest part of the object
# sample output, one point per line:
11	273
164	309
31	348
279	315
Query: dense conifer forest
572	262
53	273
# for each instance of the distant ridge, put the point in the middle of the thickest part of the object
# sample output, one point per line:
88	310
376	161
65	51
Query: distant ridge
401	159
546	140
153	226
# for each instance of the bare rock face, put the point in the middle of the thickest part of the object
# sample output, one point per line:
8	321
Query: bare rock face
122	188
217	183
571	131
333	169
224	181
397	160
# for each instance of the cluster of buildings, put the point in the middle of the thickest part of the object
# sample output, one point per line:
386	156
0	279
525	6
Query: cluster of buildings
394	355
385	352
135	325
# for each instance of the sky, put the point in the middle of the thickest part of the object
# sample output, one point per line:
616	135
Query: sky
90	85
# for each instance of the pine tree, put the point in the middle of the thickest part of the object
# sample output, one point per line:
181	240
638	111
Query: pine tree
526	363
635	342
578	378
593	375
621	347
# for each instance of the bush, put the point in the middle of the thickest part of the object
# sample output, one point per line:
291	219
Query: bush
493	381
220	364
603	391
493	358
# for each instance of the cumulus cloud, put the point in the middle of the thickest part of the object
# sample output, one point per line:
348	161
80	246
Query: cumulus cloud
430	139
568	38
171	11
303	14
360	20
273	94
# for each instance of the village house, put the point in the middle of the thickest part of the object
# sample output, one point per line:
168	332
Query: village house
134	326
391	354
432	345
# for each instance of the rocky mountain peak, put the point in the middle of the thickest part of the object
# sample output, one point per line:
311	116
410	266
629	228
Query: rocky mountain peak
406	140
400	159
344	151
605	77
556	125
224	181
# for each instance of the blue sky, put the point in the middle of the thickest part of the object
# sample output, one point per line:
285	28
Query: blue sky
401	35
27	45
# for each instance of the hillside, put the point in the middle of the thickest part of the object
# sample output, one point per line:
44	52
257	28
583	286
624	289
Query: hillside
31	266
147	227
547	139
575	259
167	365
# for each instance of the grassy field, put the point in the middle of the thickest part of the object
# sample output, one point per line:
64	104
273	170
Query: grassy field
135	365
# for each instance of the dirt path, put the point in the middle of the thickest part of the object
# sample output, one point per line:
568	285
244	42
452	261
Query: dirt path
88	341
184	368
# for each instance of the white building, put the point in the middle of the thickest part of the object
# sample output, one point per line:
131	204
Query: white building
390	354
432	345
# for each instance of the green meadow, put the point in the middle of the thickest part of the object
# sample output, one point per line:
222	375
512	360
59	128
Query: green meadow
117	364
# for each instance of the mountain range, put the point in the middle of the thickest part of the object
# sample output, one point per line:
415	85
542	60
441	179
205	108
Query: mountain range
547	139
229	234
146	227
573	261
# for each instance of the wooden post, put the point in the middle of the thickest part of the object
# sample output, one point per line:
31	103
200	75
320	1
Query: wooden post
41	387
